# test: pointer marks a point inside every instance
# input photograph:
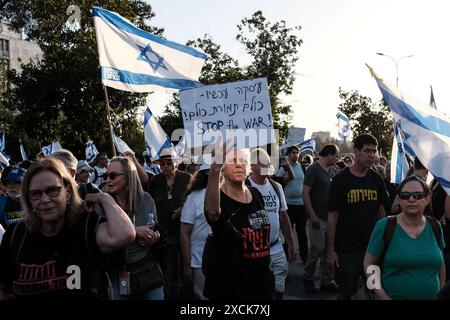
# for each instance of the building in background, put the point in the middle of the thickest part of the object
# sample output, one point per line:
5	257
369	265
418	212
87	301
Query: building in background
14	48
321	135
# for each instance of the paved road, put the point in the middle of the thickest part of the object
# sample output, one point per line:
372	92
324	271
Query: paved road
295	289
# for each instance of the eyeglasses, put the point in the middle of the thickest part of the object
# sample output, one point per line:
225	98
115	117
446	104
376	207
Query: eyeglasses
51	192
415	195
113	175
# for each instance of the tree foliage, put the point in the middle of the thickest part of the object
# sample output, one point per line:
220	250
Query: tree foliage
273	49
367	116
61	96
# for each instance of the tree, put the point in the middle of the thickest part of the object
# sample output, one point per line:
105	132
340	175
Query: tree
61	96
273	49
366	116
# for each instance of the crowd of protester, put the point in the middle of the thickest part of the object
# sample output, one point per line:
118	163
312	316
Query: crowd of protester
164	230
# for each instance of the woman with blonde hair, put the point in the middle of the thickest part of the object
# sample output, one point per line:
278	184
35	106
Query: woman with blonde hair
59	237
140	277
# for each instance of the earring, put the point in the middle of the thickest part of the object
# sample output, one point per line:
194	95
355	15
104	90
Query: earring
68	202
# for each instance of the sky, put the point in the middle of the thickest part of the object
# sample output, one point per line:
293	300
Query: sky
339	38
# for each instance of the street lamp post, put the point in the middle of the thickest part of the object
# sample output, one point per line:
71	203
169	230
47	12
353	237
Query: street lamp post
396	62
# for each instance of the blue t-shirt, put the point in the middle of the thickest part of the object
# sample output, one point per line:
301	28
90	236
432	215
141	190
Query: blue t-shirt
294	188
411	266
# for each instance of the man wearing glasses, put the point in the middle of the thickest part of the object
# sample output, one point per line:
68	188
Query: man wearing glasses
356	203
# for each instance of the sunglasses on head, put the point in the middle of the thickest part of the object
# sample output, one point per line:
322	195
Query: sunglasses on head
415	195
113	175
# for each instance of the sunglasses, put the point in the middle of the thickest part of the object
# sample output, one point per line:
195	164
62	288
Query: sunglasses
113	175
51	192
415	195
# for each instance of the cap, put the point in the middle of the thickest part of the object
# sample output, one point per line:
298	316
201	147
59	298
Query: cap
15	174
83	166
168	154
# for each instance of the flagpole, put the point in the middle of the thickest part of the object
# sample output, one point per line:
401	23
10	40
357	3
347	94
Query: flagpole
108	116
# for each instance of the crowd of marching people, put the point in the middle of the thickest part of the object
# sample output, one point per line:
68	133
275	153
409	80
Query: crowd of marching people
221	229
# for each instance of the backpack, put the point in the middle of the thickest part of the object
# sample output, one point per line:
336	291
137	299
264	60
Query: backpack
389	233
101	283
272	182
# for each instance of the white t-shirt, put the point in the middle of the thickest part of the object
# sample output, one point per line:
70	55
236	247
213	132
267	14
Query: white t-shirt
193	213
272	206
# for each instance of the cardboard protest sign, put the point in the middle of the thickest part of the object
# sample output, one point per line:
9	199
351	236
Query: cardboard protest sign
295	135
239	111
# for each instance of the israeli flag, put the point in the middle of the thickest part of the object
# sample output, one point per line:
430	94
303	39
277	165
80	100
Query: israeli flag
2	142
180	147
91	151
343	126
4	160
121	145
134	60
307	145
399	163
426	130
53	147
155	138
22	151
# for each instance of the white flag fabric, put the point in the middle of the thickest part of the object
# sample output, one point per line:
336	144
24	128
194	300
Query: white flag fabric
343	126
91	151
121	145
2	142
53	147
399	163
155	138
4	160
134	60
22	151
426	130
180	147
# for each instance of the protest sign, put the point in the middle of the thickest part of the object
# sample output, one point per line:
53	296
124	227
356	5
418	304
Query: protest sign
238	111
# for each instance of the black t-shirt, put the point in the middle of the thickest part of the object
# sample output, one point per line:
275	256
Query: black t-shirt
357	199
168	199
43	263
243	251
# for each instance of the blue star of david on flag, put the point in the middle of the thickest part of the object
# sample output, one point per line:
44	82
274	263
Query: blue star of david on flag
144	56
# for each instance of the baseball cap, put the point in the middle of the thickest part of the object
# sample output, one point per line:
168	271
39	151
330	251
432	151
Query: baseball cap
15	174
83	166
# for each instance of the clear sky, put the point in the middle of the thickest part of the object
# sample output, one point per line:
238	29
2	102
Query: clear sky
339	37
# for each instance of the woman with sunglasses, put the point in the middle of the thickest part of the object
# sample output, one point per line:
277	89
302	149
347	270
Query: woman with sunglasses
57	251
123	184
412	264
237	266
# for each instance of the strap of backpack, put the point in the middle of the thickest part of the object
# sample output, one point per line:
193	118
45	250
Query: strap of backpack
435	227
387	237
18	237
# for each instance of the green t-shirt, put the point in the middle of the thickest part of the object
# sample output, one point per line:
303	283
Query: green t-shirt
411	266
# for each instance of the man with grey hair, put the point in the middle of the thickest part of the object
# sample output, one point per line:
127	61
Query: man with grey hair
71	162
275	205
